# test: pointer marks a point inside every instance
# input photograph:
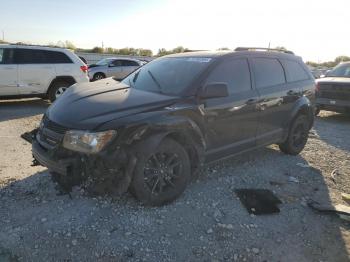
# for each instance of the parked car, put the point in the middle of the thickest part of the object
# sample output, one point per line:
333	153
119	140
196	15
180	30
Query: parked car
116	67
151	131
333	90
36	71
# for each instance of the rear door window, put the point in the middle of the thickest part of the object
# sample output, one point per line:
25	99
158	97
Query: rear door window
294	71
129	63
6	56
268	72
235	73
30	56
116	63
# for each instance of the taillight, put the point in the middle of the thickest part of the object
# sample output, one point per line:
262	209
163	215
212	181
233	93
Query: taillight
84	68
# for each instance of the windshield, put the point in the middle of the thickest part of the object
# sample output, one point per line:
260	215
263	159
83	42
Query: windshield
342	70
169	75
104	62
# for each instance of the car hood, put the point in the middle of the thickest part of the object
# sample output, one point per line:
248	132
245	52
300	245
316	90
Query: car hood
332	80
89	105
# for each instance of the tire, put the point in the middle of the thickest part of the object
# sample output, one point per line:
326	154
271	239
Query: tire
98	76
297	136
317	111
162	175
57	89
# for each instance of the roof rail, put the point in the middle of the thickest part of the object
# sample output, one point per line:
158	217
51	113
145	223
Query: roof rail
24	44
263	49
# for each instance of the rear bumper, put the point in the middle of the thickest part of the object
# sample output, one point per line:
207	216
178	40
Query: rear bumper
333	104
42	156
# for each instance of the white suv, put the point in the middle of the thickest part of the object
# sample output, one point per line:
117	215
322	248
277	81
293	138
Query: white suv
36	71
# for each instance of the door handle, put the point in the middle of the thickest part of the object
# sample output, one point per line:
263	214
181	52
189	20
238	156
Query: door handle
9	68
251	101
292	93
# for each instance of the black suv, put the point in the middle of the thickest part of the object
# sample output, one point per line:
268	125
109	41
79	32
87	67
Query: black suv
151	131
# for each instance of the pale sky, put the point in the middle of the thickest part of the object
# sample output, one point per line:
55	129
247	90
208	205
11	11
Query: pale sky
316	30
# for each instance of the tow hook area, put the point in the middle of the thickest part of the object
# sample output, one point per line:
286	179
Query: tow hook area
99	174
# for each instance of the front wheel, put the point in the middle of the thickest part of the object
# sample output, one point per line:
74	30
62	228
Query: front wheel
162	175
297	137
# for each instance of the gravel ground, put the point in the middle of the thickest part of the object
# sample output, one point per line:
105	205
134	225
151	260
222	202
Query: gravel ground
207	223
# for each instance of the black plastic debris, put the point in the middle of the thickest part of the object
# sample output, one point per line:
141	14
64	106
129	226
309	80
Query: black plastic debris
258	201
341	210
29	136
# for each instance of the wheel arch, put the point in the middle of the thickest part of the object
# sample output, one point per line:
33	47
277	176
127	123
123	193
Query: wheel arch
68	79
186	134
304	107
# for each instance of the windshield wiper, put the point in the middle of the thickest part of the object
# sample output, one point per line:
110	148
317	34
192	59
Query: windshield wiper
155	81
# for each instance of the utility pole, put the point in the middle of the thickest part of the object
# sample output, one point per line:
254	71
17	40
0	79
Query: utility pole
3	35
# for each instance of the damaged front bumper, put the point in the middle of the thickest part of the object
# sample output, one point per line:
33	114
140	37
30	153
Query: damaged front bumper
107	172
57	166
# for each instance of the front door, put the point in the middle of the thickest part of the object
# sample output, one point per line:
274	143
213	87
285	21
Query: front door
231	121
8	73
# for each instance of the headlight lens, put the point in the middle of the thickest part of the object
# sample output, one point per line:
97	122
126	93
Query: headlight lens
86	142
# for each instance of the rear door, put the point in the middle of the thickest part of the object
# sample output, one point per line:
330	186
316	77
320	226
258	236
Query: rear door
35	72
128	67
115	69
231	121
8	73
276	98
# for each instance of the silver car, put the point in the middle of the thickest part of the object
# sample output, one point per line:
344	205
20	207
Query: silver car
117	67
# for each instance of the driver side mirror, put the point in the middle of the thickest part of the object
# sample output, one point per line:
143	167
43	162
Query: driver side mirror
214	90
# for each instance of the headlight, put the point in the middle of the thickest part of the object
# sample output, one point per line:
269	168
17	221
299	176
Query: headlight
86	142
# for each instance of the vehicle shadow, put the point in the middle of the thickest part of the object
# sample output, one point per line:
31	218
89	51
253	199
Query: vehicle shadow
15	109
297	233
326	124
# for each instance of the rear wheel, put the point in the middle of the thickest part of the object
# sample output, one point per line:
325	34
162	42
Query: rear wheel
162	175
297	137
98	76
57	89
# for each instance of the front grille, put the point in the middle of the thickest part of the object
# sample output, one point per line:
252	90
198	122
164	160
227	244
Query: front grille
335	95
334	91
54	126
50	133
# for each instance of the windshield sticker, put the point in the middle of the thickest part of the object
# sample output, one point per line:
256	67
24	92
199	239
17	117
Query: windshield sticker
199	59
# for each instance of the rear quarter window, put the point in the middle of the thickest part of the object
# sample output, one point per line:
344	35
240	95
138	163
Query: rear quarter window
268	72
294	71
56	57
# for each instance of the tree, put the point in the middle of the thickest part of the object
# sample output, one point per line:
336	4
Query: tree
69	45
223	49
341	59
179	49
97	49
145	52
281	48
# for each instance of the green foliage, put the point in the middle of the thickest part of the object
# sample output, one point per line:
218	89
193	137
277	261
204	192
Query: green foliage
329	64
223	49
97	49
179	49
